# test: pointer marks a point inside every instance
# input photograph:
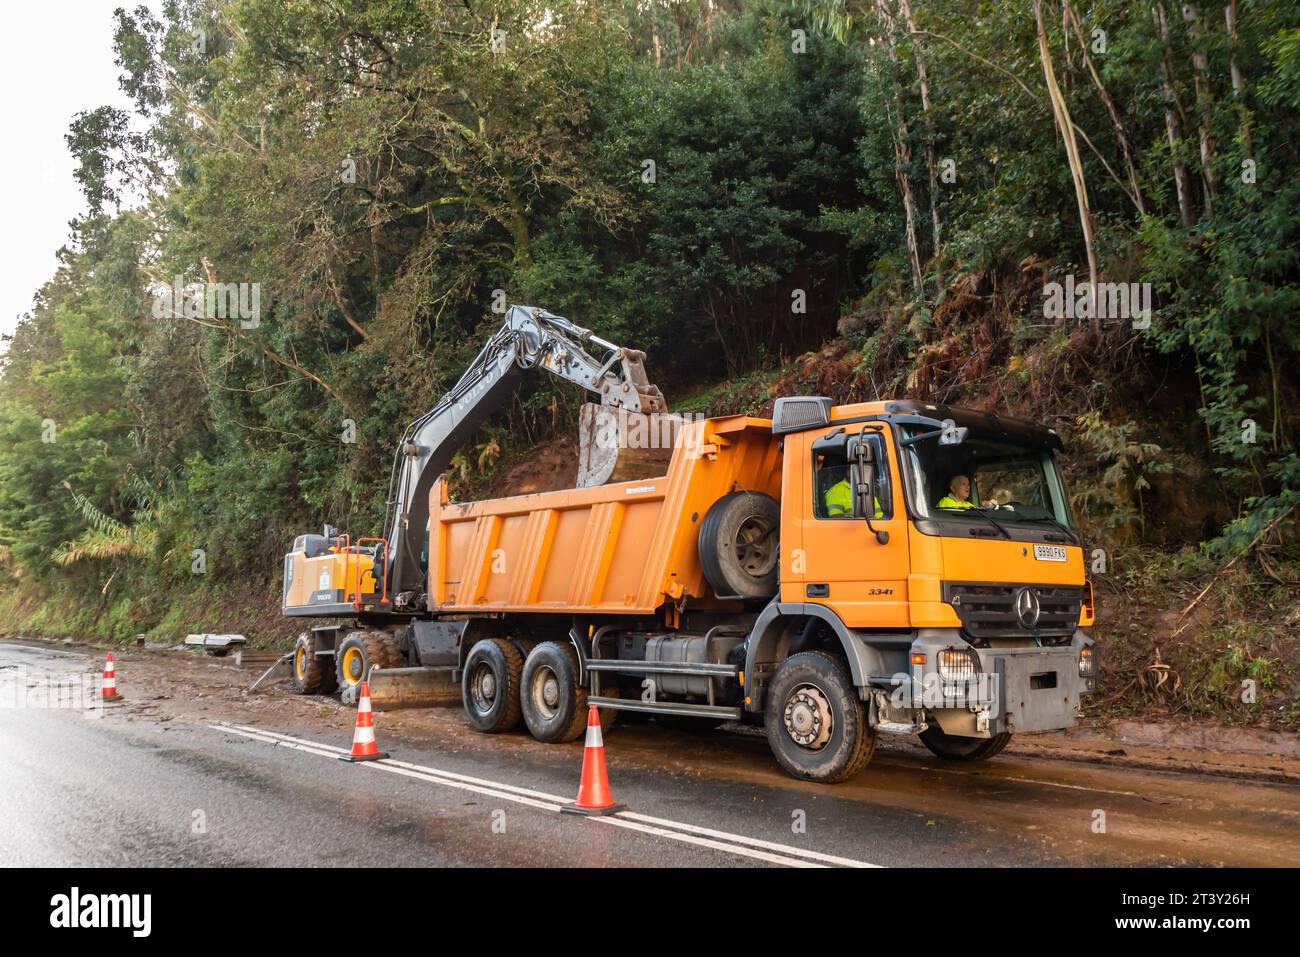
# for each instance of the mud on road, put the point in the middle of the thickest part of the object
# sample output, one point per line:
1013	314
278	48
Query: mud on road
1164	799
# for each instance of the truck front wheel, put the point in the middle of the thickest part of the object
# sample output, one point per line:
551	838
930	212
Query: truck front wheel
954	748
490	686
816	726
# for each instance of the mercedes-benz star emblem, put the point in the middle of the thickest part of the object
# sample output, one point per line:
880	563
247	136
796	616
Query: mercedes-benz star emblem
1027	609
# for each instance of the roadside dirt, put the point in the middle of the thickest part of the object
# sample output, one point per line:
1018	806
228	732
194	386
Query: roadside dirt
168	685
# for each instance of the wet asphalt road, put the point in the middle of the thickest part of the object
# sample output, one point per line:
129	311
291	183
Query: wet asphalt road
82	791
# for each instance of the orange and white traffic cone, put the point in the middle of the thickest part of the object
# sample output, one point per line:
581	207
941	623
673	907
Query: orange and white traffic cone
594	796
363	739
110	681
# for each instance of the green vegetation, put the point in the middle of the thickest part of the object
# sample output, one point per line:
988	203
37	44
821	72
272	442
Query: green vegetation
855	198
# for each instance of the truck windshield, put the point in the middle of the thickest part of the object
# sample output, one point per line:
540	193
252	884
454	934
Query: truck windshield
983	478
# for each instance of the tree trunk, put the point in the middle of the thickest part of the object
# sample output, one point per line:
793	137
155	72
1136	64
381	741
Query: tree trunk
1121	135
1238	80
902	147
1204	105
923	79
1173	123
1066	127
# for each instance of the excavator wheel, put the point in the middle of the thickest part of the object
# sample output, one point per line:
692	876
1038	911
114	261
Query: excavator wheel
308	673
490	685
738	545
359	652
950	747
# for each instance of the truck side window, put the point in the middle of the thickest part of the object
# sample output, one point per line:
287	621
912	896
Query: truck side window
832	495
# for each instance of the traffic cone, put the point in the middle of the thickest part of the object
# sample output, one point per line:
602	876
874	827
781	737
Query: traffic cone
110	681
363	740
594	796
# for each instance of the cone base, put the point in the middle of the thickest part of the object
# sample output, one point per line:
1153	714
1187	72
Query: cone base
575	808
363	757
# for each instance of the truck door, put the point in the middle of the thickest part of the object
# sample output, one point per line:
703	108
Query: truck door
844	566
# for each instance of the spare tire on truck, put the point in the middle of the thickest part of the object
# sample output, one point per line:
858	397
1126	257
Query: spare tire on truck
738	545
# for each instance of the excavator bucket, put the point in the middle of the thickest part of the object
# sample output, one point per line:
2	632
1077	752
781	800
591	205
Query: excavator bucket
615	445
392	688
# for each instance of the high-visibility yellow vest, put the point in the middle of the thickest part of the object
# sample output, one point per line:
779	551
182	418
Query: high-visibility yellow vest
839	500
949	502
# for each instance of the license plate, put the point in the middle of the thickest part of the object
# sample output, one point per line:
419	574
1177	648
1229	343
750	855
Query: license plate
1049	553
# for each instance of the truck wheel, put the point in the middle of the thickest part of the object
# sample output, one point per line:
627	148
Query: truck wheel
816	726
490	686
358	653
954	748
554	704
738	545
309	672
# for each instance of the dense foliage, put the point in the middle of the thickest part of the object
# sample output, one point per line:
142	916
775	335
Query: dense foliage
727	185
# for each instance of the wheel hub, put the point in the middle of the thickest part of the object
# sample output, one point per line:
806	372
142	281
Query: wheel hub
808	717
754	546
483	689
551	691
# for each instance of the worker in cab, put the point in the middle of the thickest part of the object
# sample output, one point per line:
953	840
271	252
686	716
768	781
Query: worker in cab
958	496
839	500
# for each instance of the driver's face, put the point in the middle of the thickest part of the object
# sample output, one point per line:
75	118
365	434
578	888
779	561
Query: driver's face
961	487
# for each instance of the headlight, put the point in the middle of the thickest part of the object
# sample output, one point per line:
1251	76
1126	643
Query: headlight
1087	667
957	666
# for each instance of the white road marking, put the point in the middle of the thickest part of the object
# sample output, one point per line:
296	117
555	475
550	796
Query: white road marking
725	841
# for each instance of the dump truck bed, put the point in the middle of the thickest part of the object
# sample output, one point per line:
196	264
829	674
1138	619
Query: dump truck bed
621	548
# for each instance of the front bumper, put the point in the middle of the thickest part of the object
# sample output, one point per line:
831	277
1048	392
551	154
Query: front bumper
1015	690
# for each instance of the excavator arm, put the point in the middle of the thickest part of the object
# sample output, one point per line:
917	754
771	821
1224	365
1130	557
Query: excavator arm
530	338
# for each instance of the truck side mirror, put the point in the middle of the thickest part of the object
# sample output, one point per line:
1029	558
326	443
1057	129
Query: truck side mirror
862	477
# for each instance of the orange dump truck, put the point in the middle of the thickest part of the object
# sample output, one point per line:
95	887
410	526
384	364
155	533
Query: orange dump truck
833	574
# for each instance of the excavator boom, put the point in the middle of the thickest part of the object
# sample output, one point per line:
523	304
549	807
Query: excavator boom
530	337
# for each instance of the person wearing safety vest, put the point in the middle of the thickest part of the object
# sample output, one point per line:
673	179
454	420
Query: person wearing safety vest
959	495
839	500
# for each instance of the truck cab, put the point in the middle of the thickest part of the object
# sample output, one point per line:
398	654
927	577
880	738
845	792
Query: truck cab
953	590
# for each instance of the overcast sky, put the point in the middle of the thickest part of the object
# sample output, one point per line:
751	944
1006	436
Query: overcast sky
56	59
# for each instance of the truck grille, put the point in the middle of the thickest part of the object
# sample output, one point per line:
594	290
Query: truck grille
990	610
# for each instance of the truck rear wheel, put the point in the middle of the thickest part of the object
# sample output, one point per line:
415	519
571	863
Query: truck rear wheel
308	672
738	545
953	748
816	726
490	685
553	703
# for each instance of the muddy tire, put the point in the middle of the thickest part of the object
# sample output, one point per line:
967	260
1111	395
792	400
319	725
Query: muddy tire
950	747
816	726
490	686
359	652
553	703
307	673
738	545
